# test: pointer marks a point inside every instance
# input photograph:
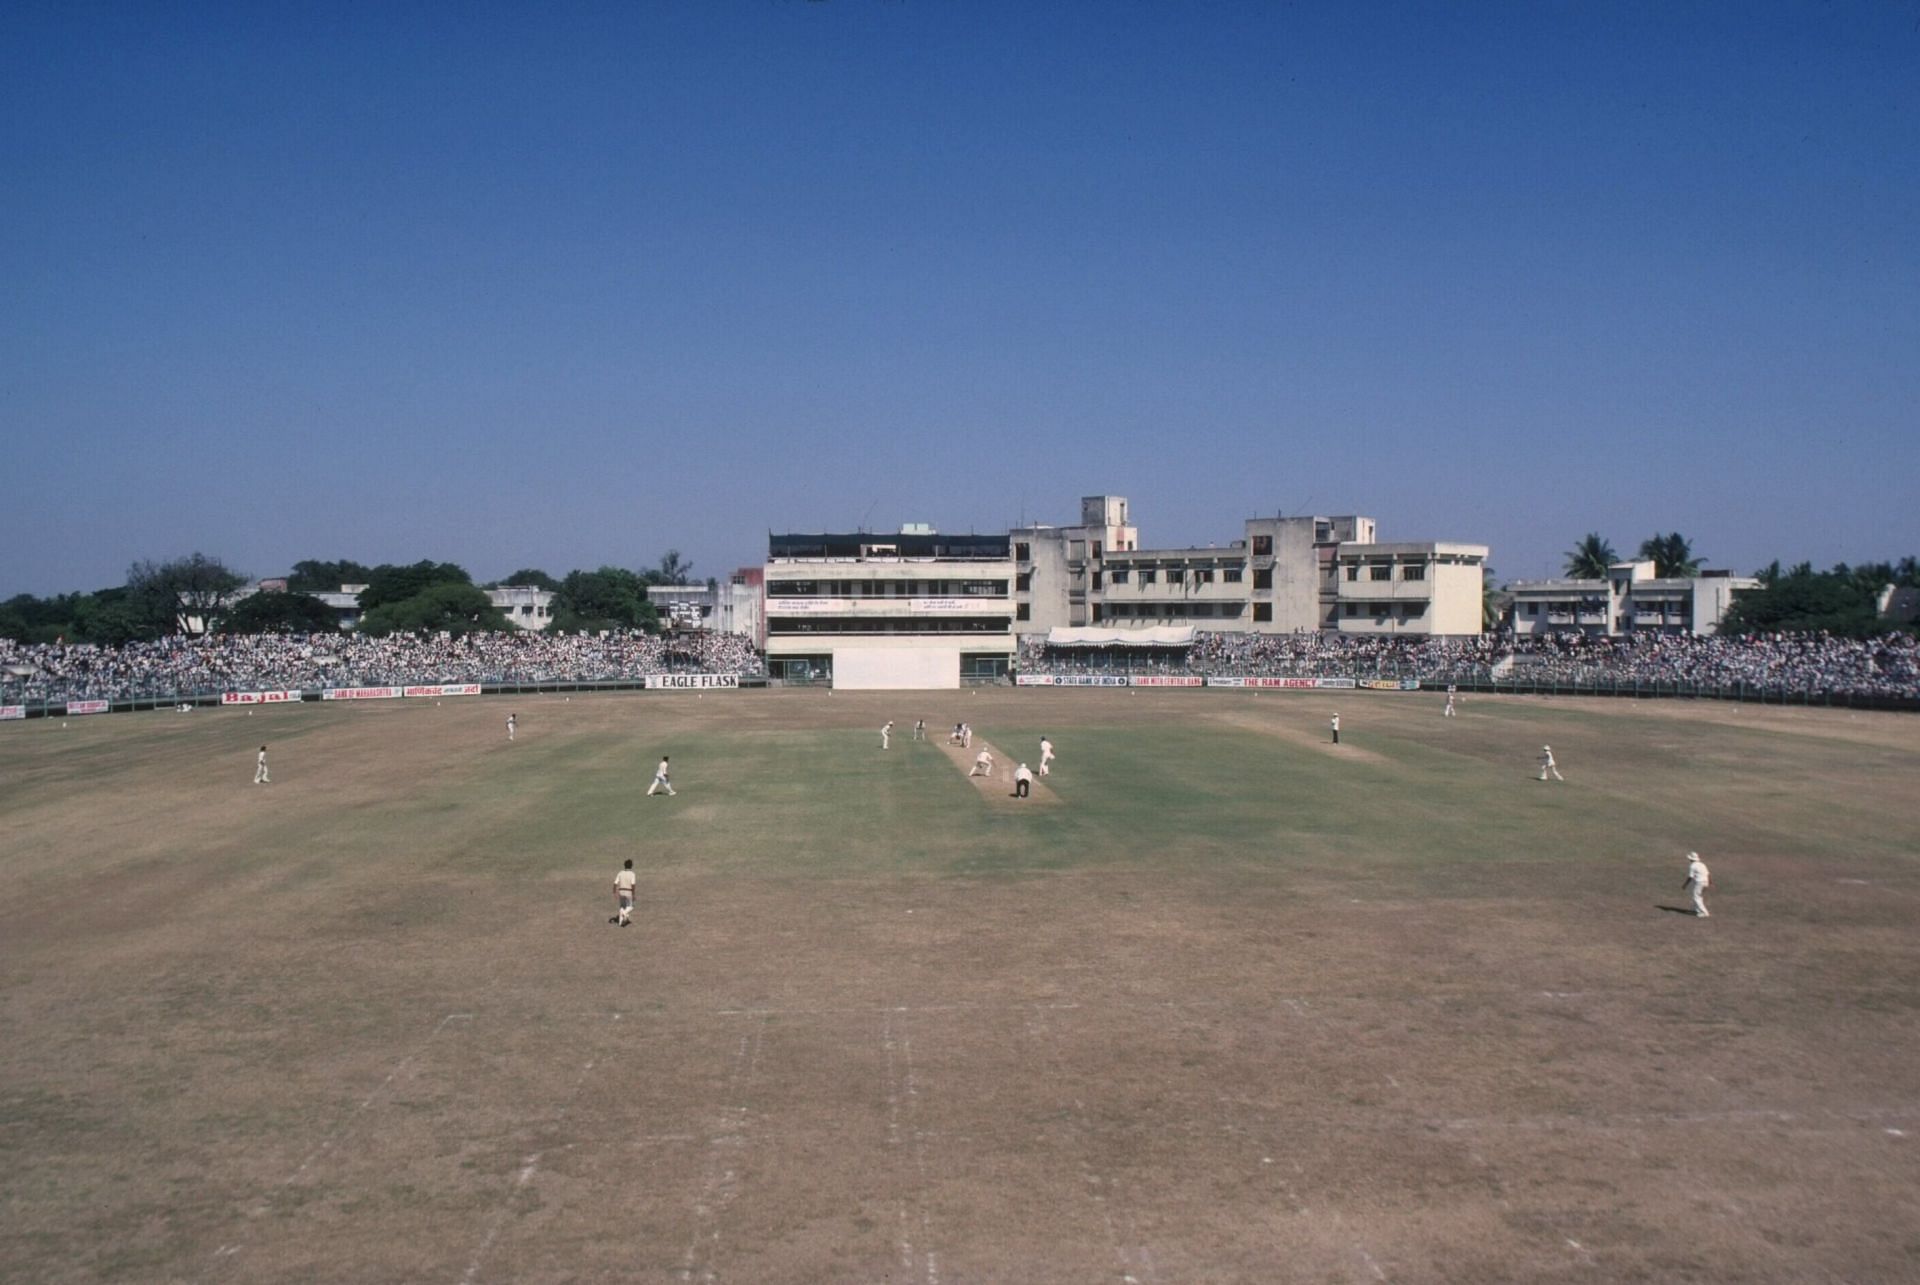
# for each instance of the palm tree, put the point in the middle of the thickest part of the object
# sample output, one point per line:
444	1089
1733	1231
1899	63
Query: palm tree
1493	601
1589	559
1671	555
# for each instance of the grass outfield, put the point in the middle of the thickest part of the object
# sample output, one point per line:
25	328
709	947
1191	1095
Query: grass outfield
1227	1003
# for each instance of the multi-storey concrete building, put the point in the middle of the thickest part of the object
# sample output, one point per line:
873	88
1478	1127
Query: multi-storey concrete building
526	606
1631	598
742	599
910	610
1284	575
1058	578
1423	588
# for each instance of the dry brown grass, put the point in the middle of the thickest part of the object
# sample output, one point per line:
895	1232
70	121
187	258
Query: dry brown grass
370	1024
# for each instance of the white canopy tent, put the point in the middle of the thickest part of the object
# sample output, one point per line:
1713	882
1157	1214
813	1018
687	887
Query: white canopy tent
1091	636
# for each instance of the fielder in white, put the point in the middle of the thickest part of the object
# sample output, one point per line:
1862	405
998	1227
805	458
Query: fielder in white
511	724
623	895
982	764
660	781
1046	757
260	776
1547	765
1449	710
886	734
1697	880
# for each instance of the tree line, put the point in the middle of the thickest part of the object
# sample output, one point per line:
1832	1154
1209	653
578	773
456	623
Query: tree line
161	598
1798	599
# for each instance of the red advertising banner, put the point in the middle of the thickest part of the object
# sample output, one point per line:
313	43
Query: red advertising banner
361	694
444	689
86	707
12	711
258	698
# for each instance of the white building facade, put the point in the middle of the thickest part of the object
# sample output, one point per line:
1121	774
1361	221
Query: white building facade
910	610
1632	598
1284	575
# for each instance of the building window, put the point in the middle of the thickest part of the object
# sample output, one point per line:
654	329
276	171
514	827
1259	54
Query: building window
1414	571
1262	611
1232	610
1263	578
1096	613
1413	608
1533	609
1023	611
1076	550
1203	577
1262	546
1353	571
1232	575
1380	571
1353	609
1119	575
1024	582
1096	549
1096	579
1023	552
1148	575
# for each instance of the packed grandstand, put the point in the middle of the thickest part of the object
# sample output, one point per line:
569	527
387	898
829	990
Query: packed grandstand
1800	666
182	666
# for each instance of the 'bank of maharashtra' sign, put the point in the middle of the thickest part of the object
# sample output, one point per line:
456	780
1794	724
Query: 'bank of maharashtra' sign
691	682
1070	680
361	694
258	698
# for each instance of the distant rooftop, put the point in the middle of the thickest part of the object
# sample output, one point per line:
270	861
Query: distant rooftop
882	544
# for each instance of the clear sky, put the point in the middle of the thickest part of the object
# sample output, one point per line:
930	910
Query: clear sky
563	285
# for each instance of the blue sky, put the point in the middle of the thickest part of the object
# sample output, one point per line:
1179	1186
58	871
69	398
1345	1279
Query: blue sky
568	285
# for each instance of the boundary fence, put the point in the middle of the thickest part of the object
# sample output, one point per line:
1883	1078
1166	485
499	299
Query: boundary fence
1514	684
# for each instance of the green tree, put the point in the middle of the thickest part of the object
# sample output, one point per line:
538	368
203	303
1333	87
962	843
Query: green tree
532	576
388	584
672	569
280	613
112	616
1805	601
610	598
166	594
310	576
1672	556
25	618
448	606
1589	559
1493	602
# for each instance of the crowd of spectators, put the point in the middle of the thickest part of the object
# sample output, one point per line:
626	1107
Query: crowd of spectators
1786	664
1811	664
183	666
